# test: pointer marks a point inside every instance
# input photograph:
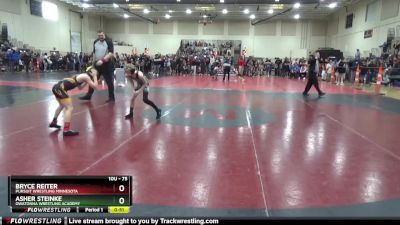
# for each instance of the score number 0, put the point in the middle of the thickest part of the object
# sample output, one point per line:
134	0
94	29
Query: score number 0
121	187
121	200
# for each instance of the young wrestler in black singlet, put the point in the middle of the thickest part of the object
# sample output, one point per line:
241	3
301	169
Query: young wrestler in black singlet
133	75
60	91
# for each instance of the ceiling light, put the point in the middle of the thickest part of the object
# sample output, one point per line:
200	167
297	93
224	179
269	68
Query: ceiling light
332	5
246	11
297	16
167	16
85	5
297	5
277	6
276	0
270	11
204	8
178	0
115	5
85	0
188	11
126	16
170	11
204	16
252	16
221	1
146	11
136	6
224	11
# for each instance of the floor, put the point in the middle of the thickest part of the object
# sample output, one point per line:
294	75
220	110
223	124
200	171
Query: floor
253	149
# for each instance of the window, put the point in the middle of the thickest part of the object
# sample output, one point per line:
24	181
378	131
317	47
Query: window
349	21
49	11
372	12
36	8
390	9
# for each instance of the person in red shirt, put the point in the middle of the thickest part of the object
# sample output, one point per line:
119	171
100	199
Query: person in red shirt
241	65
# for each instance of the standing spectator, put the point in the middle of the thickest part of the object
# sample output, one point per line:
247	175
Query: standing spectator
77	65
80	61
353	70
45	62
15	60
54	60
167	64
241	65
329	67
26	59
207	64
212	60
227	65
278	63
341	68
358	55
9	60
268	67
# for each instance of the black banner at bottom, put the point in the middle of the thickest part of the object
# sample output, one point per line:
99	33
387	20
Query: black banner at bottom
170	221
119	221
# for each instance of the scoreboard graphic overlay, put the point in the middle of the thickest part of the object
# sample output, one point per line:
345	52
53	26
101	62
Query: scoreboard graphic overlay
69	199
59	194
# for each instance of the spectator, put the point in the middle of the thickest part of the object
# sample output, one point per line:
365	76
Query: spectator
358	55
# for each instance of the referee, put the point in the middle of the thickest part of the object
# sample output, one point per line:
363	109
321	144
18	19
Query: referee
313	70
103	53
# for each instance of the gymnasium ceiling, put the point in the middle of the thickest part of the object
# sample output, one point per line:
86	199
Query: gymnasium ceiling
210	10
